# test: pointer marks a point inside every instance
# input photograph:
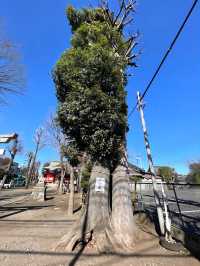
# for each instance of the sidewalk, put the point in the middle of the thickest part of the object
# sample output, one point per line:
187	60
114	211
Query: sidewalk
28	238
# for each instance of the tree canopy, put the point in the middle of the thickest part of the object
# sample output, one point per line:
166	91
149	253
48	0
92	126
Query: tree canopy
90	78
168	173
194	174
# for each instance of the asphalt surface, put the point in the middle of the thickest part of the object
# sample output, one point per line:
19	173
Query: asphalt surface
13	201
184	214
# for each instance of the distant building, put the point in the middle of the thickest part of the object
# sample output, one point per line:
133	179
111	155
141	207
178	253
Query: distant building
140	178
181	179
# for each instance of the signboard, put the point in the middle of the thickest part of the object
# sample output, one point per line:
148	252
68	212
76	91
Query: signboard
100	184
2	151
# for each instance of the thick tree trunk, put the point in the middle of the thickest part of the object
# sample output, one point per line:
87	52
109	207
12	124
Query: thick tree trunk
71	194
118	233
122	231
96	215
123	224
98	205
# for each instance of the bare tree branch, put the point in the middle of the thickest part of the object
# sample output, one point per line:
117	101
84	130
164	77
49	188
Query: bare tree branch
120	11
55	137
40	138
11	71
123	16
120	20
107	14
130	7
130	48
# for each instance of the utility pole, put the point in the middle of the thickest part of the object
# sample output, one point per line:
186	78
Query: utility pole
164	222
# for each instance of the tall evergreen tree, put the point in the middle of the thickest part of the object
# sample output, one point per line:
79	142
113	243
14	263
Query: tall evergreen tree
90	80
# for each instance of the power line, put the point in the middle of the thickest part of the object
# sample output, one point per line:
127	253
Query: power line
165	55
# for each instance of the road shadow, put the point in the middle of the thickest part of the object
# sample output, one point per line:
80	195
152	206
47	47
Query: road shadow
77	209
83	241
190	232
10	211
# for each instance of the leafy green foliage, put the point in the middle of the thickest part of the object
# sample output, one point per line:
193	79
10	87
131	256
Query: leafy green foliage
90	78
71	153
167	173
86	176
194	175
78	17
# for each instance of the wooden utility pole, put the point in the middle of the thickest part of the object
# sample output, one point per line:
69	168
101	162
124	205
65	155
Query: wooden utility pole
164	222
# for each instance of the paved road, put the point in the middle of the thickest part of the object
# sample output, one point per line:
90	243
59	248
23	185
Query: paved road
189	203
29	230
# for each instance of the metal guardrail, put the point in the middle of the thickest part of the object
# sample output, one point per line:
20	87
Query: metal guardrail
183	203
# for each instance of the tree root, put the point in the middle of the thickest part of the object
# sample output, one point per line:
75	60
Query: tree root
72	239
79	234
145	224
104	239
107	232
108	240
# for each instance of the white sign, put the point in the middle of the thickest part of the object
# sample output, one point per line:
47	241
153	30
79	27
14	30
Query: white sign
2	151
100	184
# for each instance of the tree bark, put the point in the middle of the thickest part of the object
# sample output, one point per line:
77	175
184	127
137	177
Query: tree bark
98	205
122	221
95	216
63	171
28	179
109	232
71	195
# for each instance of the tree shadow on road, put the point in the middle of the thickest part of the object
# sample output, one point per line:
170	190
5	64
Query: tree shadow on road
9	211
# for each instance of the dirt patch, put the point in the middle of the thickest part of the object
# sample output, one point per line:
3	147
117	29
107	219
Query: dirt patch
28	238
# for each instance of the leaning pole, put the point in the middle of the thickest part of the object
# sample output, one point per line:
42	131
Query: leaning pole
164	222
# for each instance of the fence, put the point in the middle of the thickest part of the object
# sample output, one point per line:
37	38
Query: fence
183	203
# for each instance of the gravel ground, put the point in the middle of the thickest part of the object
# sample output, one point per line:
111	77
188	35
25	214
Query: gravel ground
28	238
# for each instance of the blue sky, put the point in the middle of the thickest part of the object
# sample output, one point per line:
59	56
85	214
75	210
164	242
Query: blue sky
40	30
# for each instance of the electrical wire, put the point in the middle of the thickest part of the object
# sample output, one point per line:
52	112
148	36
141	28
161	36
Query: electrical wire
165	55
